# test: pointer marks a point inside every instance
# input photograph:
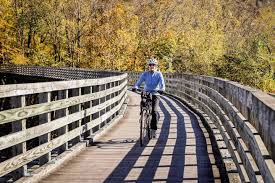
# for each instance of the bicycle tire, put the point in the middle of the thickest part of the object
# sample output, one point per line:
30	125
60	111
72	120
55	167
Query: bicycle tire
148	127
145	126
141	130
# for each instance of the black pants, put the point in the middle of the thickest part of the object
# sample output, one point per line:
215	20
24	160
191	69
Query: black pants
155	104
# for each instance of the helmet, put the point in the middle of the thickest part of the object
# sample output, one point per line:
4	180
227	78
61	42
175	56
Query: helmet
152	61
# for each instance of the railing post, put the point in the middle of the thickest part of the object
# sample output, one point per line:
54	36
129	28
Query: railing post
24	144
19	126
84	107
79	121
91	105
104	90
66	114
49	119
76	92
58	114
44	118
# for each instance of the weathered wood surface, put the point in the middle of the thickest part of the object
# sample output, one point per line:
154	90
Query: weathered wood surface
183	152
22	159
30	133
30	88
254	159
33	110
256	106
242	114
61	106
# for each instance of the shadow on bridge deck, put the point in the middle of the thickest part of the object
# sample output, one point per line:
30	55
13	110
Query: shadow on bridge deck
183	152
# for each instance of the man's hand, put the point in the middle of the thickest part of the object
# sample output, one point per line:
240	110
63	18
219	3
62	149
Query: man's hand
134	89
161	92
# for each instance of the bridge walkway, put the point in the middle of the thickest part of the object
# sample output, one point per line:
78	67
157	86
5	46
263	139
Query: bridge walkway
183	152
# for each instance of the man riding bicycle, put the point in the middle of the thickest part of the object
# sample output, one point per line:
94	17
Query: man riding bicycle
154	84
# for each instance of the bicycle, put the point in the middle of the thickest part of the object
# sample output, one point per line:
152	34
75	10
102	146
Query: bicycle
145	116
146	105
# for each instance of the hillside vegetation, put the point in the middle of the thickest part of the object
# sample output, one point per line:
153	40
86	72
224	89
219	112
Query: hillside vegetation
225	38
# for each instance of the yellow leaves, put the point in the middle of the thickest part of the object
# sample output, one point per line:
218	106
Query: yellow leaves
4	5
5	14
170	35
119	10
19	59
265	24
267	84
189	35
125	39
201	46
267	14
3	24
114	37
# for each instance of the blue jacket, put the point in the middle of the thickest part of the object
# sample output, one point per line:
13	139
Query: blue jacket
154	81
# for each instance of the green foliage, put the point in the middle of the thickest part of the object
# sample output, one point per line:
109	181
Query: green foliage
245	70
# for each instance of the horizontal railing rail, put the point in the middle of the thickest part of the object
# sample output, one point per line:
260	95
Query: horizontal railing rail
39	121
236	111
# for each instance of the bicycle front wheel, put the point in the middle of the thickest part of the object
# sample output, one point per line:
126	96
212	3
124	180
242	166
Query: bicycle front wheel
148	129
142	131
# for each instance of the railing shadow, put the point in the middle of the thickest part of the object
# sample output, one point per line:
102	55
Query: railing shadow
114	143
178	158
122	170
203	161
196	163
204	165
152	164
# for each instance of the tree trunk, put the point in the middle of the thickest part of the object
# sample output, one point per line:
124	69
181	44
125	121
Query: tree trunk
78	32
30	36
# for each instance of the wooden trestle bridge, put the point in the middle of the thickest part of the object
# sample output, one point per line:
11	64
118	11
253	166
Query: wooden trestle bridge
78	125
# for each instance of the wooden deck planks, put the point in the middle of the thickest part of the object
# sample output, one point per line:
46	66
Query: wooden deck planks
182	153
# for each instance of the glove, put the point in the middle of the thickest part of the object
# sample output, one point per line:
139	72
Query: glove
161	92
134	89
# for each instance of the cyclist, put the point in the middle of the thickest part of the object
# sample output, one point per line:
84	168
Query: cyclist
154	84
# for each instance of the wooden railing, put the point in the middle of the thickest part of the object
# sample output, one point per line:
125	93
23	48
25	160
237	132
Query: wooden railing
39	121
242	119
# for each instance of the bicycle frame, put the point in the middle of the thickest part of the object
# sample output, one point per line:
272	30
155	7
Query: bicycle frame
145	116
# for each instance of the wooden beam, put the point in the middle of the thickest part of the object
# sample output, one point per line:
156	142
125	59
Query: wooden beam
31	88
22	136
22	159
33	110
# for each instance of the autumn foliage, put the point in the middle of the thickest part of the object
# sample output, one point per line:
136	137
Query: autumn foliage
229	39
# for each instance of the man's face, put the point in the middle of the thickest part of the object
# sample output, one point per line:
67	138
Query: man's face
152	67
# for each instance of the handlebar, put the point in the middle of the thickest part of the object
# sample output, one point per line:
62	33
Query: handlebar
161	92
